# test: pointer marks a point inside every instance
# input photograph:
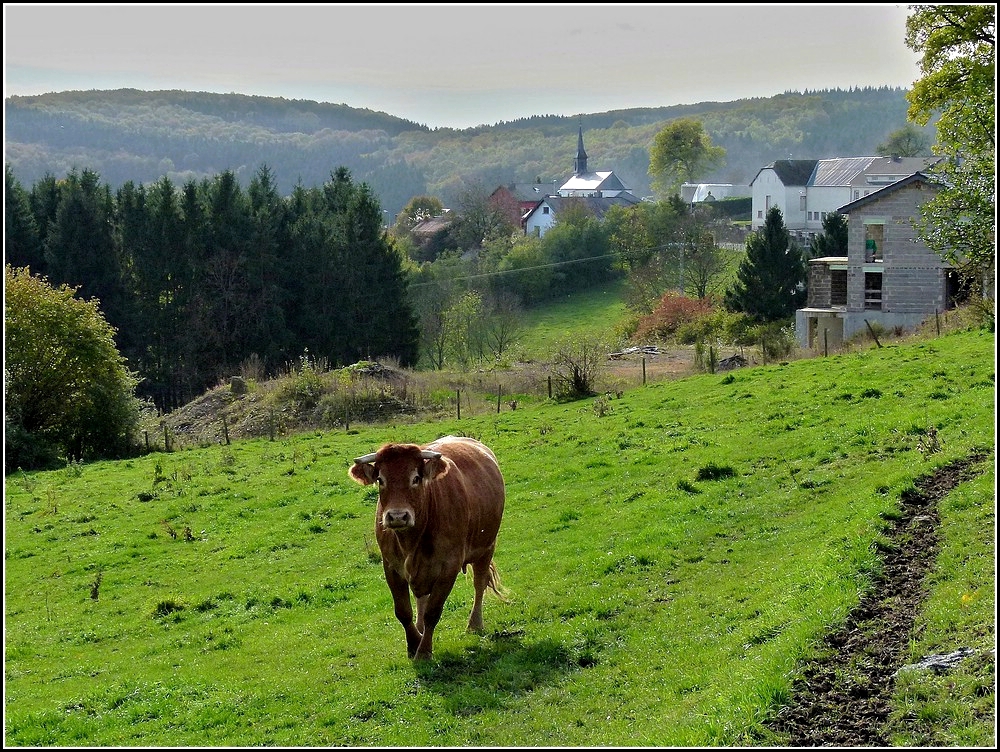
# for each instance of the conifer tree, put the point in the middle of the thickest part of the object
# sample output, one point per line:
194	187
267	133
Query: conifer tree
20	233
770	282
833	240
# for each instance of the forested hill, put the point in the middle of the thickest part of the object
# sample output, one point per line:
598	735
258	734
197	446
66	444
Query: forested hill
130	135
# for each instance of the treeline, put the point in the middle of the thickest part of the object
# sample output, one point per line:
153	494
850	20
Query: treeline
198	279
143	136
209	280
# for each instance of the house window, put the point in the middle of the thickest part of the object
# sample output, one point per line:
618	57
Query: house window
857	195
873	291
767	203
838	287
874	238
760	214
545	210
802	203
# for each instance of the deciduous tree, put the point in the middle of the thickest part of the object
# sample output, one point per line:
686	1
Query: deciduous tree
908	141
681	152
68	391
958	80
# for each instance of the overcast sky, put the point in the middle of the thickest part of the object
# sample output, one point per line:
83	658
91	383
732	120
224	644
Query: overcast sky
465	65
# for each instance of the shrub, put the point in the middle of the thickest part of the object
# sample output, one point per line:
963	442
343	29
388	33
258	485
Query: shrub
68	391
576	365
673	312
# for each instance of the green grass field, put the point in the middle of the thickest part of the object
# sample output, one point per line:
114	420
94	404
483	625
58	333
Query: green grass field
671	558
596	313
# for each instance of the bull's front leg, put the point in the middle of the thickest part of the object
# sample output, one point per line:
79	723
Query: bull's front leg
432	605
421	608
403	608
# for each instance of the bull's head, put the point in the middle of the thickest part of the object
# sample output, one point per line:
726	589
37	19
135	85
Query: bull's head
402	472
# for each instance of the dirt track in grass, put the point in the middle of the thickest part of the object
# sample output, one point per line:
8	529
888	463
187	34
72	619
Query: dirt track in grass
844	699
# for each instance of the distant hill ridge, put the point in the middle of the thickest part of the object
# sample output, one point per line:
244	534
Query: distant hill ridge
142	136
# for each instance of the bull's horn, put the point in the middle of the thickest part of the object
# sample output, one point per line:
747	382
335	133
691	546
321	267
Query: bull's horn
366	459
427	454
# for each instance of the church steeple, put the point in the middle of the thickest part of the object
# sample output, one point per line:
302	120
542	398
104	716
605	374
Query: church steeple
580	163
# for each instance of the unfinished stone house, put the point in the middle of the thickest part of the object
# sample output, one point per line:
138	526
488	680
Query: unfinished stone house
888	277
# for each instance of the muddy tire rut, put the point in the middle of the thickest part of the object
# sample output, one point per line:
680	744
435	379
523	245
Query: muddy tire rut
844	699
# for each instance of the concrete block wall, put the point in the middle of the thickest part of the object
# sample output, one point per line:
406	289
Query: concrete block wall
913	276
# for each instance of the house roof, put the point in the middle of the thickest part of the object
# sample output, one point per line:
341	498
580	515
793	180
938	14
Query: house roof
594	181
846	171
916	177
432	225
885	170
790	171
528	191
839	171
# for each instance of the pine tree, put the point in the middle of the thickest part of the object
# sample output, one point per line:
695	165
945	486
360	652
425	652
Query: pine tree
770	282
833	240
20	233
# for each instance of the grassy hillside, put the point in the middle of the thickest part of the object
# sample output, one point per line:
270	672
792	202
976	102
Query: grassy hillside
597	313
672	557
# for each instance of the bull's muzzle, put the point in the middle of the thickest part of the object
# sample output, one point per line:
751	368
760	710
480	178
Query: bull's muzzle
397	519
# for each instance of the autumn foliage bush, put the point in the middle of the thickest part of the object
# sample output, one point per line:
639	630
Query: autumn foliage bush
673	312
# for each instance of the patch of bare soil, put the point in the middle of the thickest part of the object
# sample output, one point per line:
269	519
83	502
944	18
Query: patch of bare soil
844	699
657	365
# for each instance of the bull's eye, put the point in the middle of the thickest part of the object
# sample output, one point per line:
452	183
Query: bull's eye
380	480
415	480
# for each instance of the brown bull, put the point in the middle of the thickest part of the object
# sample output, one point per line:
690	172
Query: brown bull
439	510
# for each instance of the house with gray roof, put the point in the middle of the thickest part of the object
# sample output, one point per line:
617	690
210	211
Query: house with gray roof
889	276
807	190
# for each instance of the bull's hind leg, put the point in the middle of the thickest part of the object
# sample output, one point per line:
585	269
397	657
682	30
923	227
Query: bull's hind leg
484	575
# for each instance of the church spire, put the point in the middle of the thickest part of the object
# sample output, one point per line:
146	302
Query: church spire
580	163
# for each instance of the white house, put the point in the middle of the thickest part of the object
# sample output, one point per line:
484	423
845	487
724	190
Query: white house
807	190
783	184
545	214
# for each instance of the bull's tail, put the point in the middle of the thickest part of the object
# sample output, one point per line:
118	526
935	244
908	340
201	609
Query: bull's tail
494	584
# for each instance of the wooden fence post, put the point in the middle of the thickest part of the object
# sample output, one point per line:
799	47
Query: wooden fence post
872	332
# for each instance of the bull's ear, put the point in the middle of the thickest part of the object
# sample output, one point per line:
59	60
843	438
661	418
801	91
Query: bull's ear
362	472
434	467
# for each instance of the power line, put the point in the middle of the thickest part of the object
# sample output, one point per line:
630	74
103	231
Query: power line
512	271
654	249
